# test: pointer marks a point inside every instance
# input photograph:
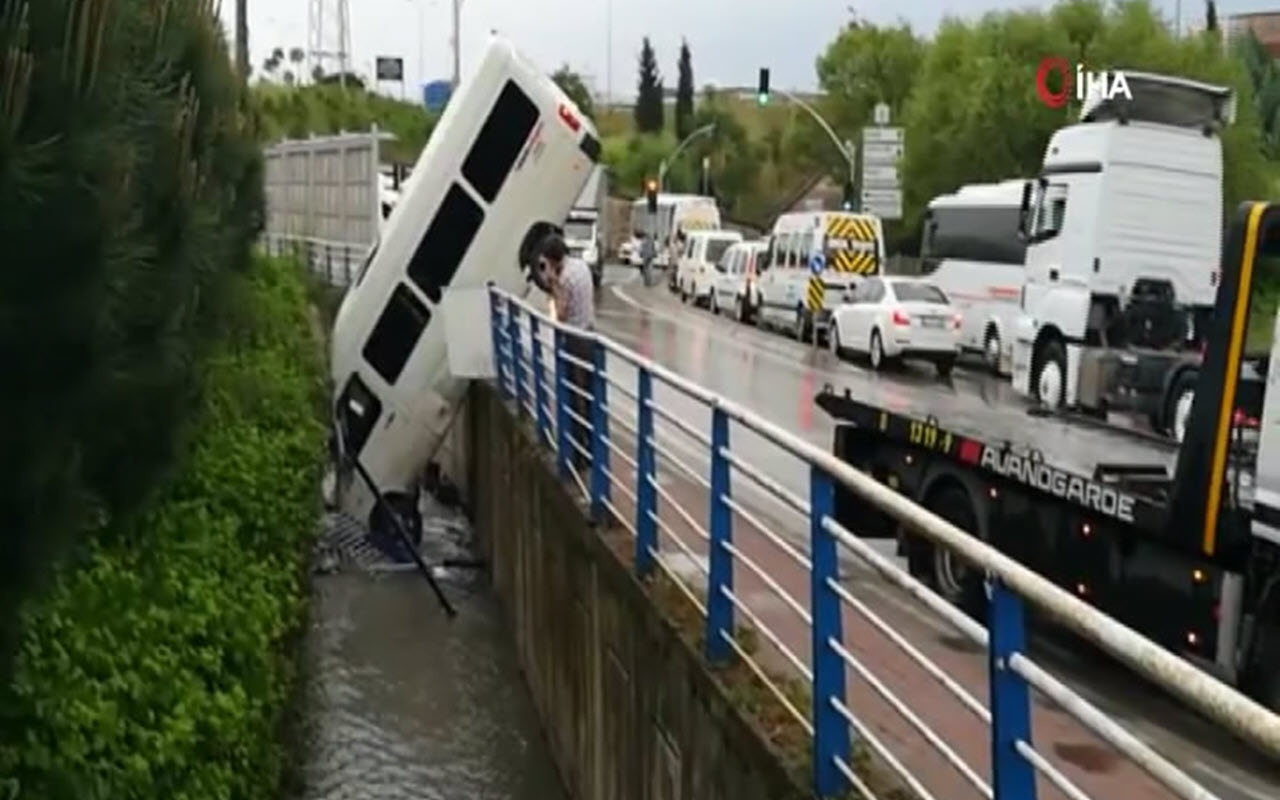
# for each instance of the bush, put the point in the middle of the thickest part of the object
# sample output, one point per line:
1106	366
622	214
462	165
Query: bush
130	194
161	667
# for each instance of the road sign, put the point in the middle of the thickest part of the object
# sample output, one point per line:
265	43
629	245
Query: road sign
882	136
389	68
881	153
881	114
884	203
880	176
817	264
436	94
815	293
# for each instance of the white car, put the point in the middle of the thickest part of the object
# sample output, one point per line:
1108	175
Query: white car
735	287
894	318
629	252
697	266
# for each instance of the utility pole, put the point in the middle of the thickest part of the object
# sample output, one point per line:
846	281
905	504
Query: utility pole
457	43
242	38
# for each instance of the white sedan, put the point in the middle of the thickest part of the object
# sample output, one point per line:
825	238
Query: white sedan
894	318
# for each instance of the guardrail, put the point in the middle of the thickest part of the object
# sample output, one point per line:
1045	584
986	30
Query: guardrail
337	262
565	380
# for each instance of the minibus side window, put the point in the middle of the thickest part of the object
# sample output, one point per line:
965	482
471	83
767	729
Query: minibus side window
446	242
399	327
500	141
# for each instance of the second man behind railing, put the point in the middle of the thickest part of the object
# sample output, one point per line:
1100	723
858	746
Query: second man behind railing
573	295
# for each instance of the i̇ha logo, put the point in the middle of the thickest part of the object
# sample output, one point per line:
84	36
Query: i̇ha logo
1078	82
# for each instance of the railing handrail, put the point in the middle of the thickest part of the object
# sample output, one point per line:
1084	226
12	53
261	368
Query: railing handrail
1225	706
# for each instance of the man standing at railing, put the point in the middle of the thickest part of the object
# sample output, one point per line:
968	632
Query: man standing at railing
573	293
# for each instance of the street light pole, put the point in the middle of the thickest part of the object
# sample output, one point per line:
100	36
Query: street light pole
846	148
662	167
457	43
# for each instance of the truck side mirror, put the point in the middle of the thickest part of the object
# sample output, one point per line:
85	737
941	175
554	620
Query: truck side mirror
1024	212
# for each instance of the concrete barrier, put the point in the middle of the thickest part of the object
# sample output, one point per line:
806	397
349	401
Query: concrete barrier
630	709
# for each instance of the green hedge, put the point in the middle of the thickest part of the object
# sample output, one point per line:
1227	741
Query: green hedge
161	667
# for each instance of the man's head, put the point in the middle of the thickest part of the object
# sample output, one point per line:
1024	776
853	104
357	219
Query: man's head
554	251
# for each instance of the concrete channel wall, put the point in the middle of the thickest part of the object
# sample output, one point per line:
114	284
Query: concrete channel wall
629	709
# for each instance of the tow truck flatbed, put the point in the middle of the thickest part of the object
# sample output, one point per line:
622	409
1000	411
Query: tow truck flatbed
1164	537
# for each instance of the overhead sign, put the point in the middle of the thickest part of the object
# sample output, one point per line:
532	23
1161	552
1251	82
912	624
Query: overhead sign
389	68
817	264
882	135
435	95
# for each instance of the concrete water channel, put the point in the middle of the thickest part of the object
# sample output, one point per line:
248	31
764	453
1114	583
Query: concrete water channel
404	703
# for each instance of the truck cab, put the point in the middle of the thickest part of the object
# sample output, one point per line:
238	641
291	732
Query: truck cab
1123	229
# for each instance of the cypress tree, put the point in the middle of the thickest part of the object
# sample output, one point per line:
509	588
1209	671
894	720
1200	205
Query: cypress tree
649	110
684	93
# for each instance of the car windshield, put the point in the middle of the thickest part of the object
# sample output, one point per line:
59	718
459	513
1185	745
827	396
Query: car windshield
716	248
919	293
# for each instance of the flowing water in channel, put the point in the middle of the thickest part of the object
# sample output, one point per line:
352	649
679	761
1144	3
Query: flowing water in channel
404	703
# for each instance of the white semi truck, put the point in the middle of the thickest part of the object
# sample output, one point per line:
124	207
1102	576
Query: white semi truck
1123	231
584	228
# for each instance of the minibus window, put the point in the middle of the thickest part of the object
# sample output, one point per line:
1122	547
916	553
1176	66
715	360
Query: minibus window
396	334
500	141
446	242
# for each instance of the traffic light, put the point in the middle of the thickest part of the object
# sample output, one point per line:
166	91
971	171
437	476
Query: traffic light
651	195
847	204
762	91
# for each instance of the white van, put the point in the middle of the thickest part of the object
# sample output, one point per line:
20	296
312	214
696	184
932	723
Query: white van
696	268
847	247
505	163
972	251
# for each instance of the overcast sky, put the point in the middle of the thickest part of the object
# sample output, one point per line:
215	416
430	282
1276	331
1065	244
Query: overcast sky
730	39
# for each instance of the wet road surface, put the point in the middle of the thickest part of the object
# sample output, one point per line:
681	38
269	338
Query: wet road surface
777	379
404	703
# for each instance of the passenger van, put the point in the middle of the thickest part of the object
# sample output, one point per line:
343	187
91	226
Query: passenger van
972	251
505	163
696	267
847	247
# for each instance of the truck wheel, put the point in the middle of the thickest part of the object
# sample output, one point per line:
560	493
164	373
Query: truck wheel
955	579
1264	674
945	365
1177	405
1049	384
991	350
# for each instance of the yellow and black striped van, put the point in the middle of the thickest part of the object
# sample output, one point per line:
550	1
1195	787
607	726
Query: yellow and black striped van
815	259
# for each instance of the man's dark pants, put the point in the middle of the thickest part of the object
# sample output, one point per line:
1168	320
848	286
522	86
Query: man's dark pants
580	348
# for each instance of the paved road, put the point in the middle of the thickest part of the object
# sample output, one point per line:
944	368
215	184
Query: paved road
777	378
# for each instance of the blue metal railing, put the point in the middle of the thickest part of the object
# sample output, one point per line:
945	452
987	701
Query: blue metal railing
612	403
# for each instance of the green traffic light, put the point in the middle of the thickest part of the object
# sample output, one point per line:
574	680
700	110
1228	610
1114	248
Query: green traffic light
763	98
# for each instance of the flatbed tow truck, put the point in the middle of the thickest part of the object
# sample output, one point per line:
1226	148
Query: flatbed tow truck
1180	542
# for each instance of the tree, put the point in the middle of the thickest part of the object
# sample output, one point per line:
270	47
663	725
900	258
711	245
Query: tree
571	84
684	93
972	115
649	110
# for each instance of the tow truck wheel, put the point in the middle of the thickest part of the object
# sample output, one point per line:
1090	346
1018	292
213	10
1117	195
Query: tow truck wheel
875	351
1050	382
991	350
1178	405
954	579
